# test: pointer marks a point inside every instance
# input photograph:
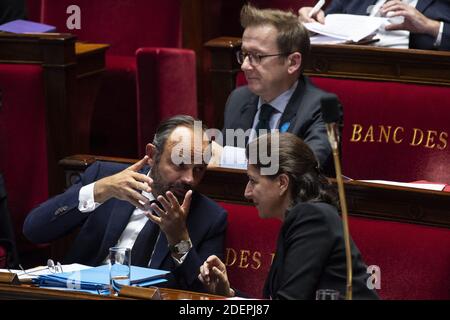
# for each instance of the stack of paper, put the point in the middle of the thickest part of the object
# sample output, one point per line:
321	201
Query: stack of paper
97	278
339	28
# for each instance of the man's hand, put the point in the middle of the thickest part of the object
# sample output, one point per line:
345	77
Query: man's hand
303	15
172	218
216	154
415	21
126	185
213	275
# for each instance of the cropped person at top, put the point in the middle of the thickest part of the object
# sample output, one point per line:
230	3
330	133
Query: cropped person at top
426	23
274	49
310	251
118	206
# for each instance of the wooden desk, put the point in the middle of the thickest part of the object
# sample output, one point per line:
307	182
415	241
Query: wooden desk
68	69
363	199
27	292
335	61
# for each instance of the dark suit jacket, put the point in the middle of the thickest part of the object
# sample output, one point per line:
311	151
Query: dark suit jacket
102	228
302	113
11	10
310	255
433	9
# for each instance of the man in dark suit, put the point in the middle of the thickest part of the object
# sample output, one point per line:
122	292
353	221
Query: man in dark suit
150	207
278	96
428	21
11	10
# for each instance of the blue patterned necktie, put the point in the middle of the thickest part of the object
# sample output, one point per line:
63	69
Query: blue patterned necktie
265	113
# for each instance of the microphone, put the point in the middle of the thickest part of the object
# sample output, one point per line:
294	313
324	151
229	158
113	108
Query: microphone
331	111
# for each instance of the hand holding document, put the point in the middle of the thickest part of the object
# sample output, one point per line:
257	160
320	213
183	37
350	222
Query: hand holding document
341	28
316	8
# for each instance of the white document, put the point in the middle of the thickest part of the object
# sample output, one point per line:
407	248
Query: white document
347	27
44	270
233	158
426	186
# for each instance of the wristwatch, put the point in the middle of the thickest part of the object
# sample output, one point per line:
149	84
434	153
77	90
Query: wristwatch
181	247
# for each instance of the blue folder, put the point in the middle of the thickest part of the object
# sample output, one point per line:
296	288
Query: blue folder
97	278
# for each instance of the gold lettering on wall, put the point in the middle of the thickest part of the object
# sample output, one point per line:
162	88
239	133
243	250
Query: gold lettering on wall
430	139
385	134
357	129
243	260
394	138
369	134
415	140
230	252
256	257
443	137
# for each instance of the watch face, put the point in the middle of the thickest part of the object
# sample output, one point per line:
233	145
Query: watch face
183	247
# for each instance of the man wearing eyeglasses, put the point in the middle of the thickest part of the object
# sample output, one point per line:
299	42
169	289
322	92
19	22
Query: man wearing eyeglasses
277	96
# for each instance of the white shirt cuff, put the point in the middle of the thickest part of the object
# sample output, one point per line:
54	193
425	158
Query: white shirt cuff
181	260
86	199
438	41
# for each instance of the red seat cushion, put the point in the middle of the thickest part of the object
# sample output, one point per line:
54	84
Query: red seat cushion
23	148
166	87
416	147
414	259
127	24
250	244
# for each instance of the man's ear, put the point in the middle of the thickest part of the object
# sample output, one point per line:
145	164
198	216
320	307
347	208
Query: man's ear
283	182
295	62
150	151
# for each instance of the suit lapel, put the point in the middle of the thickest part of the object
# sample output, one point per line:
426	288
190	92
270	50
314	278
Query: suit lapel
118	220
422	5
248	113
292	107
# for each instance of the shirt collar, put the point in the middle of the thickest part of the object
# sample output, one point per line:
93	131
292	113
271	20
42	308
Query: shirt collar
280	102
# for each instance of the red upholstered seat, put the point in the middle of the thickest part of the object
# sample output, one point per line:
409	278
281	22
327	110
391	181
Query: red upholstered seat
126	26
414	259
169	89
390	133
393	131
23	150
250	243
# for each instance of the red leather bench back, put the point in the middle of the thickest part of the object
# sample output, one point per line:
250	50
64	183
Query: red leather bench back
393	131
23	148
414	260
127	24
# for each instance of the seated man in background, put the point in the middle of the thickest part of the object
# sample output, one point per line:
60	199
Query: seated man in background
426	23
274	49
112	205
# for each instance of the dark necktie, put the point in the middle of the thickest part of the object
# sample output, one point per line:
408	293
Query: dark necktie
265	113
145	243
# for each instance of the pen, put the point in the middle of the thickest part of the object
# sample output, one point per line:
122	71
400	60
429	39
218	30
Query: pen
316	8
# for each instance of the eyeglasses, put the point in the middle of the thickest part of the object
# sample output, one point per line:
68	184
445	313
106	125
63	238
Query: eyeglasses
255	58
